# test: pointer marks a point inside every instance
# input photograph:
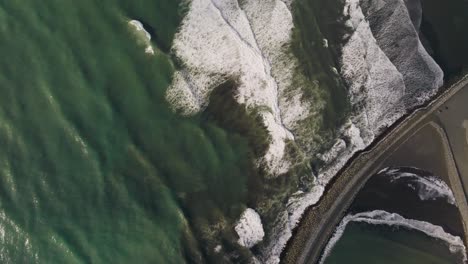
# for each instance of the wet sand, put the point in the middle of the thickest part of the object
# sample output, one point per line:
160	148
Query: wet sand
453	118
429	149
382	193
423	150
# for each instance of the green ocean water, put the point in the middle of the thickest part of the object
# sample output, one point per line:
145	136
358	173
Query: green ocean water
94	166
367	244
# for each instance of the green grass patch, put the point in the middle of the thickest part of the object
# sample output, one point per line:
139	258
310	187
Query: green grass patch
316	20
226	112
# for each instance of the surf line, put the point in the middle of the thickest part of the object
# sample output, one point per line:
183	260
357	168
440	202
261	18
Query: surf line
380	217
427	187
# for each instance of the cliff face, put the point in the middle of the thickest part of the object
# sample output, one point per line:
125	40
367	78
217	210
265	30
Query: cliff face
246	41
387	71
395	25
383	63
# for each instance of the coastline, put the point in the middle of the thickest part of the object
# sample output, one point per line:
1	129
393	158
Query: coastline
322	219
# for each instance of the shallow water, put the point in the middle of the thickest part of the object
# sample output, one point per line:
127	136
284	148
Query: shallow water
413	194
364	243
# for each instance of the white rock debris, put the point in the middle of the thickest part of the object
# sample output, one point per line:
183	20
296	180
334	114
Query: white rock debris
250	228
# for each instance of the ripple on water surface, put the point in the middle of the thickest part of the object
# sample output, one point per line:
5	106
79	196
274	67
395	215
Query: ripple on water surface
91	169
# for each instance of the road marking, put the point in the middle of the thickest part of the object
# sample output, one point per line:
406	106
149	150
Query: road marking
465	125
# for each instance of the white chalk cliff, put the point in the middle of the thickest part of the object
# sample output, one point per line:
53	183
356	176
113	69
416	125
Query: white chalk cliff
384	82
397	33
383	63
222	39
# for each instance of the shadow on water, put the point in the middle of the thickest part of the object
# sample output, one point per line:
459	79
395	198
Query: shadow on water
447	33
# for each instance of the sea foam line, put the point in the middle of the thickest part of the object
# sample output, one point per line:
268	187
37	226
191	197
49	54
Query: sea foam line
138	26
218	40
380	217
377	89
428	188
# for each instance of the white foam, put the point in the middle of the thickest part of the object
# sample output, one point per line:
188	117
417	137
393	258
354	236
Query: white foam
303	200
338	148
377	93
351	134
138	26
249	40
219	40
249	228
325	43
218	248
181	96
286	222
428	188
379	217
374	81
398	37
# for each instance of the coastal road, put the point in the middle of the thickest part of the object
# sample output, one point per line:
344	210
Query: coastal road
320	221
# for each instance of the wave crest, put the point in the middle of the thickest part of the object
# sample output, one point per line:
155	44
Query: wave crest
379	217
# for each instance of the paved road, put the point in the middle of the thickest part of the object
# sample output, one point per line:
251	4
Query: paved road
319	223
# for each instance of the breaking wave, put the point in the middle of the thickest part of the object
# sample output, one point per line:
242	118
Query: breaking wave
379	217
428	188
381	90
220	39
138	26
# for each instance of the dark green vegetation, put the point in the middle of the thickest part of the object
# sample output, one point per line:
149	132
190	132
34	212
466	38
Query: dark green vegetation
316	20
368	244
265	194
226	112
444	25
